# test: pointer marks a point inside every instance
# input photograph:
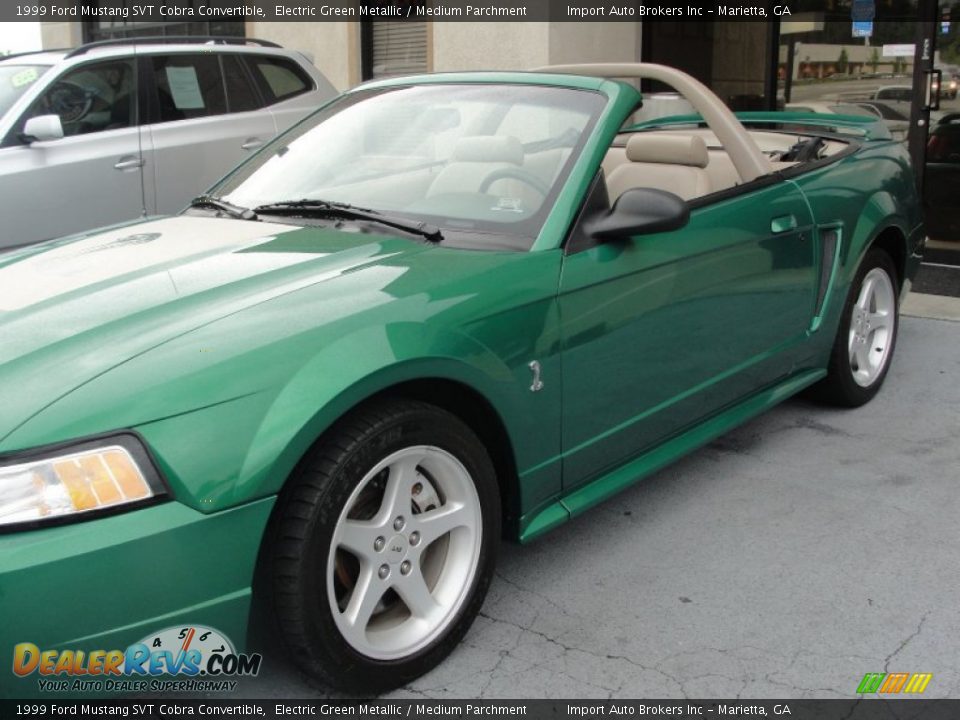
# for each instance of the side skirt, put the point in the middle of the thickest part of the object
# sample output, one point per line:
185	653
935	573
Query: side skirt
605	486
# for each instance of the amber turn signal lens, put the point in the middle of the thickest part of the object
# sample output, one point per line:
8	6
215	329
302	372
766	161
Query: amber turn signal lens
70	483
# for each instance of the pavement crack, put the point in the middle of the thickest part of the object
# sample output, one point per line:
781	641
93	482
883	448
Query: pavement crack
654	668
573	648
907	640
547	599
544	636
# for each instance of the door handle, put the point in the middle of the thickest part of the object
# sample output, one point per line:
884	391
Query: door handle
129	163
252	143
783	224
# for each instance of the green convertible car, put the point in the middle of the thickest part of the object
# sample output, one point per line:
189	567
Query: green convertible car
440	311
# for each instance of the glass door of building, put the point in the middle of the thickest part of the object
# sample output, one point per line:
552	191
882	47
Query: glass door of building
896	60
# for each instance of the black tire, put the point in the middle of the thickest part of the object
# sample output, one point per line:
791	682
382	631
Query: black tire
306	518
840	388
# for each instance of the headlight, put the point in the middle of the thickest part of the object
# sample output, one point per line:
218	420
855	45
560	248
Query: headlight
76	482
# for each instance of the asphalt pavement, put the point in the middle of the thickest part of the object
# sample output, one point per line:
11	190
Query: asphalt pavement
786	559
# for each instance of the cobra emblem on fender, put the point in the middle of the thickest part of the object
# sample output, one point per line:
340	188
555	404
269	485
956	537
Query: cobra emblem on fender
537	384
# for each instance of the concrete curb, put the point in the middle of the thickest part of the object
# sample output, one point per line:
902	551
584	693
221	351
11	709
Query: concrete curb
935	307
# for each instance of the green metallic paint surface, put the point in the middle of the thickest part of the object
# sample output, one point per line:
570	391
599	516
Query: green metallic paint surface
602	488
230	405
582	82
232	346
653	326
889	205
623	100
105	584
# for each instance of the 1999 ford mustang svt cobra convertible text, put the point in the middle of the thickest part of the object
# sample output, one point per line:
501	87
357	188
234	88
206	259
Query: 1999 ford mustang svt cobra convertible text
439	311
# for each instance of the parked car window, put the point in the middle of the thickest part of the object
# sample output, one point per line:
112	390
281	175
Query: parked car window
242	96
279	78
14	82
888	113
895	93
851	109
189	86
91	98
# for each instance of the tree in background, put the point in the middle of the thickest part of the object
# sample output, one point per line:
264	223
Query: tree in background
842	61
874	59
949	44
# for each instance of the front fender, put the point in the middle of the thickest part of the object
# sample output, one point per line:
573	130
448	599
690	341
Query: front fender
254	415
367	363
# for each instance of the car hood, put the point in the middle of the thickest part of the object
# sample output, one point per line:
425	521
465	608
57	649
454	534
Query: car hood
71	310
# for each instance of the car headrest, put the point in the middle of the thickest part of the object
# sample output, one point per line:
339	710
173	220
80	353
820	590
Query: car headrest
668	149
489	148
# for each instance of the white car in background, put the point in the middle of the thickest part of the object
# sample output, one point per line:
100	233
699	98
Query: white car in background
113	130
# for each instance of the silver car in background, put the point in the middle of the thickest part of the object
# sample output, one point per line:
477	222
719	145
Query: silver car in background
113	130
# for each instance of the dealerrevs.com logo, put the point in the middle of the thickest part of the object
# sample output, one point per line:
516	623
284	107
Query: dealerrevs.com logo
201	658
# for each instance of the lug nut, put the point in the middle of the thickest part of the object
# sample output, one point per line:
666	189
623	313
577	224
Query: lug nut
405	567
418	488
383	572
379	543
414	538
398	524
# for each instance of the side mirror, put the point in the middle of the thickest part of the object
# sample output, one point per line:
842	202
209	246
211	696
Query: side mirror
640	211
42	128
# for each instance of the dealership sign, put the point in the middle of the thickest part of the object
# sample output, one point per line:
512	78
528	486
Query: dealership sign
899	50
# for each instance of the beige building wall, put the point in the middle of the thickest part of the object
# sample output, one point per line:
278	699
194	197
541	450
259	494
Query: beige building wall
589	42
524	46
333	46
60	34
490	45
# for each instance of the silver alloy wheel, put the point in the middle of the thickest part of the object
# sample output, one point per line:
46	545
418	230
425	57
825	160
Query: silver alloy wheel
404	553
871	327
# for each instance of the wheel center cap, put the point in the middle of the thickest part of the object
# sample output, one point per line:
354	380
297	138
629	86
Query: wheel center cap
396	549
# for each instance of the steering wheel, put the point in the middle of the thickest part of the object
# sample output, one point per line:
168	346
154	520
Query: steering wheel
515	173
71	102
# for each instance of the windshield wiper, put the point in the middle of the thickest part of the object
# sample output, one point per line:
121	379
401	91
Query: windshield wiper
350	212
234	211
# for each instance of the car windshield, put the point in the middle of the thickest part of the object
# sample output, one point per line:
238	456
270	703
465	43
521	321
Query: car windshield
478	160
14	82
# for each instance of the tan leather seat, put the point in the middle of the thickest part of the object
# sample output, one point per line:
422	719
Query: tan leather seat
474	159
546	164
674	163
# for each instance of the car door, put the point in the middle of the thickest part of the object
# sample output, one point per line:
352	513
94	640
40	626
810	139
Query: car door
662	330
207	118
93	175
